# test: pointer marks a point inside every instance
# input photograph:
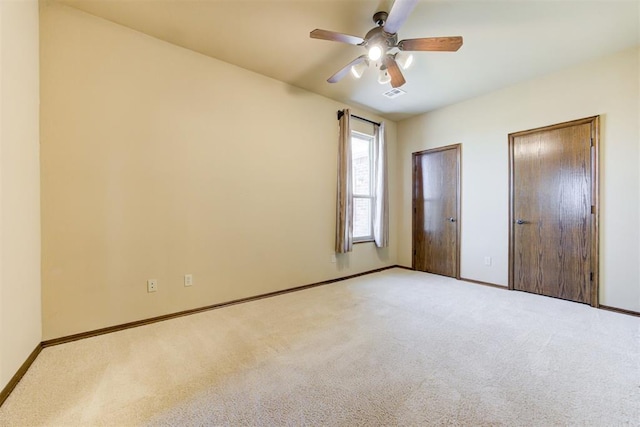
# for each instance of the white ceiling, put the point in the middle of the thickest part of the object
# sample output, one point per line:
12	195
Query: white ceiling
505	42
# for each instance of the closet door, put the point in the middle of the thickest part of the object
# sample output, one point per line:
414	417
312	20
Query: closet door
436	209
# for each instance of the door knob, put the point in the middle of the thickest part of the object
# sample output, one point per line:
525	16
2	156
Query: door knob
520	221
452	219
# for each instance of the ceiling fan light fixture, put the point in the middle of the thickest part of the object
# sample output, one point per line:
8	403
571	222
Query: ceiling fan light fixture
375	52
383	47
404	59
358	69
383	76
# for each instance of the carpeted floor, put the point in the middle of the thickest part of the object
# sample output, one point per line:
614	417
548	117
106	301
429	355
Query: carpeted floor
392	348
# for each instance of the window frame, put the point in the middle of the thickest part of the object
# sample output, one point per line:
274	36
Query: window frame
371	196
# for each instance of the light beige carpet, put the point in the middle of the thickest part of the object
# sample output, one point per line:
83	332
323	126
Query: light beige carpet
393	348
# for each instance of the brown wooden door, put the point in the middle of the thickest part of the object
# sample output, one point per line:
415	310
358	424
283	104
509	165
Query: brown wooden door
436	201
553	206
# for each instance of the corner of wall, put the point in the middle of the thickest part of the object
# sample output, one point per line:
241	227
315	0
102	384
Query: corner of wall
20	286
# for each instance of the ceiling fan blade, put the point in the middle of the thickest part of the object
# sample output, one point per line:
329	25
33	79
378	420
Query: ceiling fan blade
443	44
335	37
345	70
399	13
397	79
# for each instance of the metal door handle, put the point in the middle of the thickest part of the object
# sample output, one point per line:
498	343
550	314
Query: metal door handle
452	219
520	221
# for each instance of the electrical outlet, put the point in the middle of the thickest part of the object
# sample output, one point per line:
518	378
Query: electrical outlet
188	279
487	261
152	285
333	258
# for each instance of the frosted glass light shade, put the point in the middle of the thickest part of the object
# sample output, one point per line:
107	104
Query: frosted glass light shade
375	52
383	76
404	59
358	69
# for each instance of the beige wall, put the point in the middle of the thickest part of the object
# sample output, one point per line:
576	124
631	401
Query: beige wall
20	314
608	87
158	161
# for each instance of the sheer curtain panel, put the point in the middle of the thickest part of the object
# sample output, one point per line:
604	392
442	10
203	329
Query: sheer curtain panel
381	201
344	202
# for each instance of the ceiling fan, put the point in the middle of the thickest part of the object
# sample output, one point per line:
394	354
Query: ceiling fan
381	41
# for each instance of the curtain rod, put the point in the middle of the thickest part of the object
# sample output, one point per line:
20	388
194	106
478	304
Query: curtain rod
341	113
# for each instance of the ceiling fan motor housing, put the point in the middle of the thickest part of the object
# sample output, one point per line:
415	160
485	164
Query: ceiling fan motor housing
378	36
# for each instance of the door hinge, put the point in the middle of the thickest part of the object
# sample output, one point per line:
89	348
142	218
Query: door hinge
593	209
591	142
591	277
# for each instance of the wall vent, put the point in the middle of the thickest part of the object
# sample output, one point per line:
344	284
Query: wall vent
394	93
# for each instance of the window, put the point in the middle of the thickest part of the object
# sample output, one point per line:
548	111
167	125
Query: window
362	208
363	190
